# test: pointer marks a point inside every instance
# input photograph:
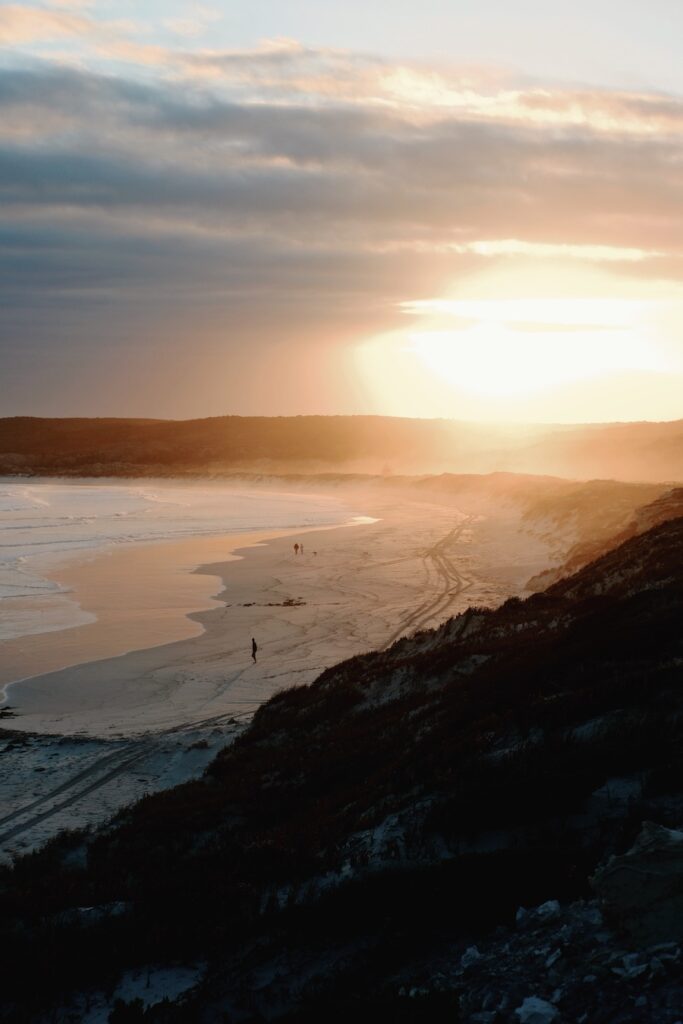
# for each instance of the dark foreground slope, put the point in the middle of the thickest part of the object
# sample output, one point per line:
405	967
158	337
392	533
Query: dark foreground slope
370	827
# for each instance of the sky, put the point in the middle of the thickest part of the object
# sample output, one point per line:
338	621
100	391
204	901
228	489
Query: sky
435	209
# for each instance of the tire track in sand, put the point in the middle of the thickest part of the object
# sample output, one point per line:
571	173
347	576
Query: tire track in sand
453	585
95	775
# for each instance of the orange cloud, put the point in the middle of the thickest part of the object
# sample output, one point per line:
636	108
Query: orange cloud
20	25
25	26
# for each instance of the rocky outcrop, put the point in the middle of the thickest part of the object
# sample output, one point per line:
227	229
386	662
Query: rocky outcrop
642	890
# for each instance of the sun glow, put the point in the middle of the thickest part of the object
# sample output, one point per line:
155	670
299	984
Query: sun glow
518	347
532	340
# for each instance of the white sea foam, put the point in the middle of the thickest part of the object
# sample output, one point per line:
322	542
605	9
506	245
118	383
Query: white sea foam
59	518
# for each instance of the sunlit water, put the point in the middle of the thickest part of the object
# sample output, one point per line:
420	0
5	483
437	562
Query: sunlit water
44	523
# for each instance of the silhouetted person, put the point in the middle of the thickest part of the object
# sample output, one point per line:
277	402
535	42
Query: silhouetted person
296	549
254	649
301	549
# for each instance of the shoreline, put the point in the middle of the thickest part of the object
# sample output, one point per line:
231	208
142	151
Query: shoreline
164	616
137	662
307	613
59	538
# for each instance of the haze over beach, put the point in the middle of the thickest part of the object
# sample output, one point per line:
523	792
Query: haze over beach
341	512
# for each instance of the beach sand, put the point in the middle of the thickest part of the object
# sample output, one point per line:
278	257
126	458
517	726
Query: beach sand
364	586
134	596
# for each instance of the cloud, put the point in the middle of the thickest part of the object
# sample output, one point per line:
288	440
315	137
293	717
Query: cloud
20	25
310	188
371	176
72	5
34	26
194	22
287	69
541	250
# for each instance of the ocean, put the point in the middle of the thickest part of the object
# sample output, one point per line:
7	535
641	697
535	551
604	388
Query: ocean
48	523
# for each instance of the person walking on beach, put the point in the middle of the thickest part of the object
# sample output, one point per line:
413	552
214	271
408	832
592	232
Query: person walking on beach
254	649
301	549
296	549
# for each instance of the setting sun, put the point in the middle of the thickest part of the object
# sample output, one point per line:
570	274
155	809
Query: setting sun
519	347
554	340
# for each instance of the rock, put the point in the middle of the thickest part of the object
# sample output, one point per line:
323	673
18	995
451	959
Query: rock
470	956
630	971
536	1011
548	911
642	890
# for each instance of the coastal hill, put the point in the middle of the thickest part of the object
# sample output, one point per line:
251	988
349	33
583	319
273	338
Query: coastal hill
336	444
363	848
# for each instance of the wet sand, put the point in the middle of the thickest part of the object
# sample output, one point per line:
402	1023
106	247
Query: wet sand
135	596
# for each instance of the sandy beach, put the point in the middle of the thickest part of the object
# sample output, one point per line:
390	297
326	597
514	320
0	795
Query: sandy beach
94	736
354	588
133	597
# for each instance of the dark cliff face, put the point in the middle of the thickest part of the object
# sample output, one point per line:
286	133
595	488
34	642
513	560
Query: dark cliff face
424	791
